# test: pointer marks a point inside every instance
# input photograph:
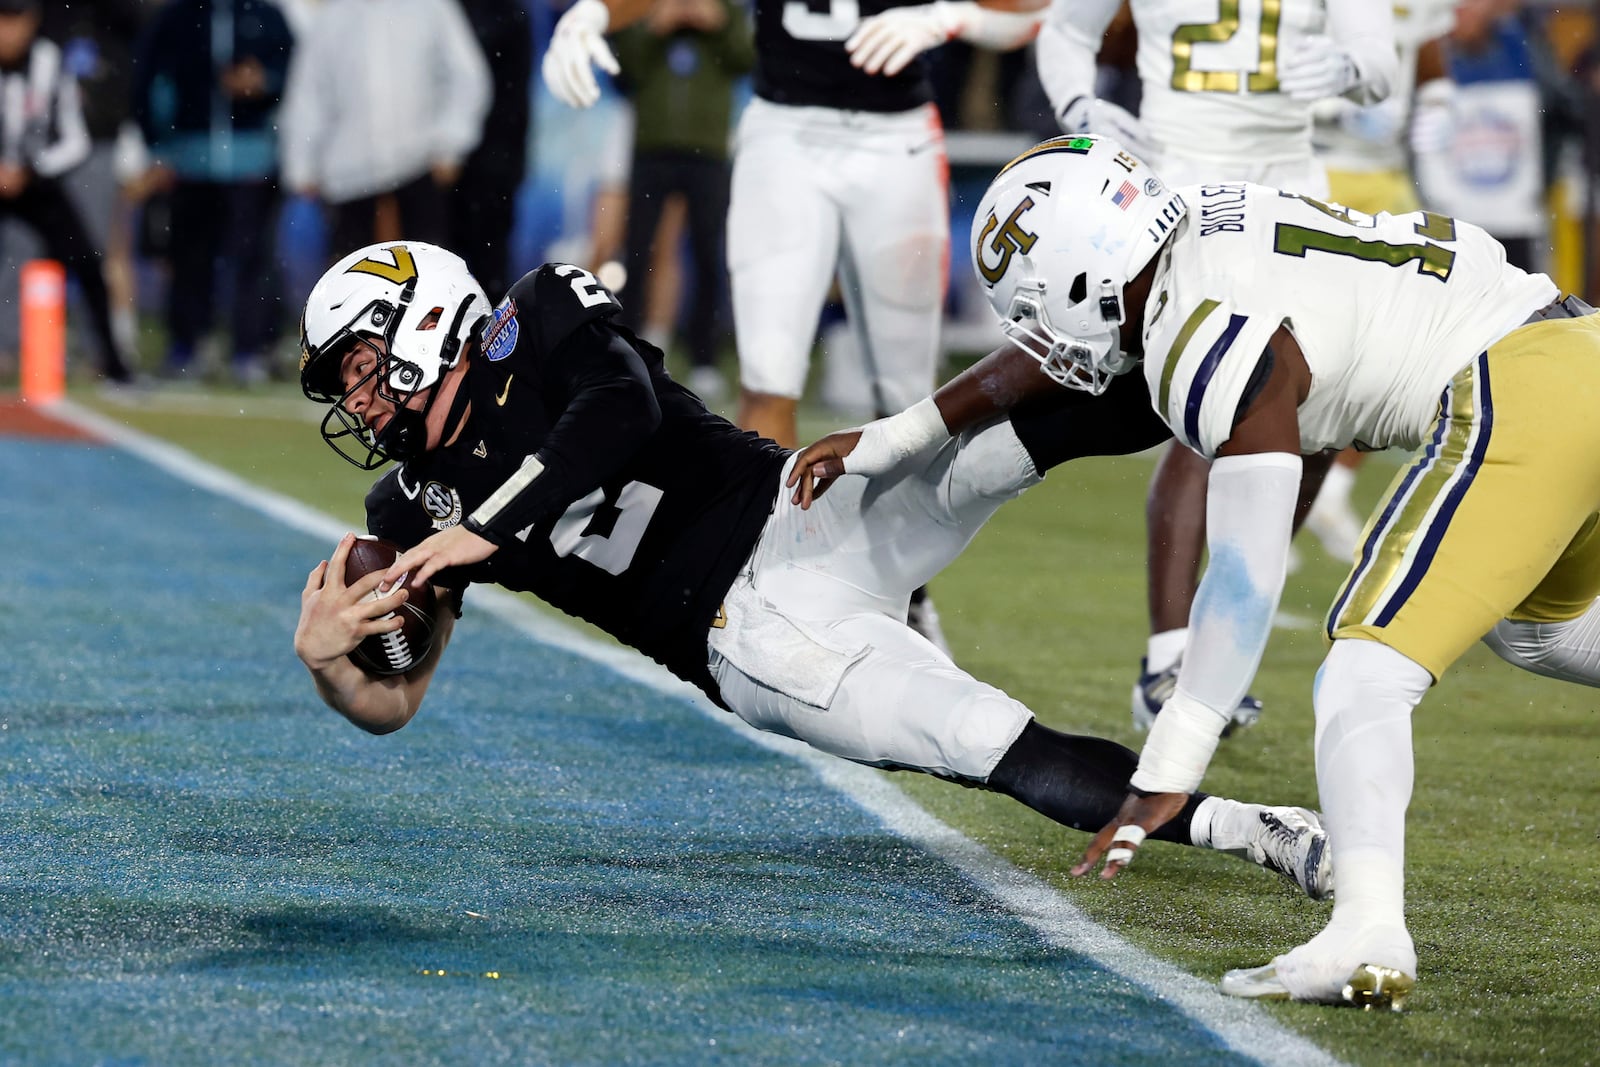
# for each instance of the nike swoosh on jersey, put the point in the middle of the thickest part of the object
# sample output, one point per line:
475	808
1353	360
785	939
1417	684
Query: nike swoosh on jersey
501	398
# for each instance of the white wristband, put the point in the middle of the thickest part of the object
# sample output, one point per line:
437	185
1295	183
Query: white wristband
1180	746
887	443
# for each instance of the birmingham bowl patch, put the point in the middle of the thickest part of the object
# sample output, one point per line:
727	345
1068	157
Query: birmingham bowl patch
501	336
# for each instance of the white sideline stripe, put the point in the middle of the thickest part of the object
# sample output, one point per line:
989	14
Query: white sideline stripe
1243	1026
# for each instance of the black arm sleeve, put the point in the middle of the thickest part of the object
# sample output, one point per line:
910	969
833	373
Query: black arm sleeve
1070	424
610	412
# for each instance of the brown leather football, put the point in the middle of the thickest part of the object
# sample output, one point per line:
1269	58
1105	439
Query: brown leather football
396	651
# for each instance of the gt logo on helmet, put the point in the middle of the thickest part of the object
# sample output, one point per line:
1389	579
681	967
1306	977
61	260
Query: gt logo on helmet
1011	239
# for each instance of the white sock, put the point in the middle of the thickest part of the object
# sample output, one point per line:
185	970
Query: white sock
1336	487
1164	649
1223	824
1363	697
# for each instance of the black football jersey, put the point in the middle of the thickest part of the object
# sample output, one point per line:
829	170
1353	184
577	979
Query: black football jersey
800	58
610	490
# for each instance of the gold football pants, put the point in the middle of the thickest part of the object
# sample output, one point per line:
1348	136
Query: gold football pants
1495	516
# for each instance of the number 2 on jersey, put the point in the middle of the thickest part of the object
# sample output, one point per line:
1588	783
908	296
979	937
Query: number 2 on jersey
1263	79
585	285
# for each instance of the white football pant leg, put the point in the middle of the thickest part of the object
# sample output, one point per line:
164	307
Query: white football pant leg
885	536
901	703
783	245
896	257
1567	650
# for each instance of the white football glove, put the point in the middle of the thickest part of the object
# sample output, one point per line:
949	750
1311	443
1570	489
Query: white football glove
1314	66
1433	118
1088	114
887	42
577	46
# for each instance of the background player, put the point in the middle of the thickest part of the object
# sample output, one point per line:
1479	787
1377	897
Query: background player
545	449
1272	326
1226	95
835	172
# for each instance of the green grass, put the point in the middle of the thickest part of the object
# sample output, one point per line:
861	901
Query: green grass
1503	853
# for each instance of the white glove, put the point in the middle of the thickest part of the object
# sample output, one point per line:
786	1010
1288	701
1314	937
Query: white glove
1088	114
1313	67
885	43
577	46
1433	119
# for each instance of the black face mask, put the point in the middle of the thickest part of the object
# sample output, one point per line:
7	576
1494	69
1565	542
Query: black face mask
406	436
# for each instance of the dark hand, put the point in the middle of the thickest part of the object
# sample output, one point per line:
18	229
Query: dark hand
1148	814
819	464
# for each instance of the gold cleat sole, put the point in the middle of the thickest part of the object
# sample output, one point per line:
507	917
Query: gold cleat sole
1374	986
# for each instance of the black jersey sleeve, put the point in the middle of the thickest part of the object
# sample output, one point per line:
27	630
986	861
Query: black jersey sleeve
1069	424
608	410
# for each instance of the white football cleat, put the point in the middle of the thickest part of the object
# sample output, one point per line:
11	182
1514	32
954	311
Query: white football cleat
1319	975
1369	986
1291	842
1153	689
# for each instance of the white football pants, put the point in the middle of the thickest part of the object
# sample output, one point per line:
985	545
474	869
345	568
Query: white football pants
867	194
816	644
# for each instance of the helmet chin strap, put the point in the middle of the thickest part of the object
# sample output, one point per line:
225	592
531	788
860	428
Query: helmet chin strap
405	438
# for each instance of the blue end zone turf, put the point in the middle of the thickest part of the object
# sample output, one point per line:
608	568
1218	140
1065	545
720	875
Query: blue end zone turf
201	864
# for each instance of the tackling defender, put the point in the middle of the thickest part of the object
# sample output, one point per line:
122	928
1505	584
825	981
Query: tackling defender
541	446
1227	95
1270	326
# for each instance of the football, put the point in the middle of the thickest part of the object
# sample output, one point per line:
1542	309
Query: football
396	651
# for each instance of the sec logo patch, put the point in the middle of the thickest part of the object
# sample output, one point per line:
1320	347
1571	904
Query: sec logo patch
442	503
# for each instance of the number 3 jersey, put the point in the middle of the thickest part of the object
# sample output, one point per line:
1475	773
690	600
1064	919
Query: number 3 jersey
1386	309
610	490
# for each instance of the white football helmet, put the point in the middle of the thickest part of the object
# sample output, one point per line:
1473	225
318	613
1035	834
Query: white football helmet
423	303
1059	233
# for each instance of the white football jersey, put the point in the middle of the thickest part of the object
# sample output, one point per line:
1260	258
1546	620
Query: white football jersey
1386	308
1349	137
1210	76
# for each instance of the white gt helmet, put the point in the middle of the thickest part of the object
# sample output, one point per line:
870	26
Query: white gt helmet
1059	233
423	303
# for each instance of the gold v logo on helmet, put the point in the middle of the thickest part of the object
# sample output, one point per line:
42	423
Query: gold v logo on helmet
403	270
1011	239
